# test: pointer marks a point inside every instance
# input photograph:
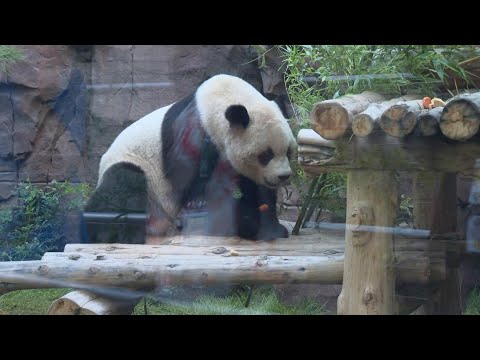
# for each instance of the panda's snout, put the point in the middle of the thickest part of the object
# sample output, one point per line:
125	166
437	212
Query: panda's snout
284	177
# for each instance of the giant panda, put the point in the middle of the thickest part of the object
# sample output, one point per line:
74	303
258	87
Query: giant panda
225	146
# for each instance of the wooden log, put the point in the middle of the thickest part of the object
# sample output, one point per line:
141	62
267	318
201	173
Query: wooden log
428	122
381	152
311	143
400	120
460	118
82	302
364	123
368	121
107	275
414	248
310	137
178	270
332	118
369	279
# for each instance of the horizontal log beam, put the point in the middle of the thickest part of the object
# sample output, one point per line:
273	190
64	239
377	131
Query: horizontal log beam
136	271
383	152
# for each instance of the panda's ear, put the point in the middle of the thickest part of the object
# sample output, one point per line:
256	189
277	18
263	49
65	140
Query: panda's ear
285	106
237	115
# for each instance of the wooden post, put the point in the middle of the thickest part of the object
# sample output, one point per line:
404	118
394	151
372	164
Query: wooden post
423	194
445	221
424	191
435	208
369	279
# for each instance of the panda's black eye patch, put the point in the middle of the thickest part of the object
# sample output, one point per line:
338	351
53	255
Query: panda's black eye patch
265	157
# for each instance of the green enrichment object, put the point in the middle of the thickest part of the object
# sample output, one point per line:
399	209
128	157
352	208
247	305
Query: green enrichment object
237	193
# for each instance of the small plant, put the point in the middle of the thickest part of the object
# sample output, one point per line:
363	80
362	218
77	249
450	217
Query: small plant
473	303
9	55
406	209
36	224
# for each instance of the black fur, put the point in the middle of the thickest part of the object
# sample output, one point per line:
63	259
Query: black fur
240	216
123	190
237	115
181	122
253	223
285	106
265	157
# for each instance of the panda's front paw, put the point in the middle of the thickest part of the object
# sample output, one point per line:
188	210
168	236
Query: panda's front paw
272	233
283	232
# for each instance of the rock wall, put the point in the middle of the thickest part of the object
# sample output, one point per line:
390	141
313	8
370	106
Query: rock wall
63	105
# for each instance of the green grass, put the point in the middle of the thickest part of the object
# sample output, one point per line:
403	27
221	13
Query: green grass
29	302
473	303
9	55
263	302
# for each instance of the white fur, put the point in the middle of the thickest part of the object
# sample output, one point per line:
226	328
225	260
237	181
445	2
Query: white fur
141	143
267	128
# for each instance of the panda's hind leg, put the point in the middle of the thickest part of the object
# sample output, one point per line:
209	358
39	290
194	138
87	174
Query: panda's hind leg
123	190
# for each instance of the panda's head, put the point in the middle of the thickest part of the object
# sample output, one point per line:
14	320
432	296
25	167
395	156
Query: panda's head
249	130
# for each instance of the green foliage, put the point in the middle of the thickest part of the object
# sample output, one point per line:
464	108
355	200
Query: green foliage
344	69
36	224
406	209
337	70
330	194
9	55
473	303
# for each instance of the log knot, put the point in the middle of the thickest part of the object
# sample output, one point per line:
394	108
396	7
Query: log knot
369	297
43	269
362	215
219	250
94	269
139	275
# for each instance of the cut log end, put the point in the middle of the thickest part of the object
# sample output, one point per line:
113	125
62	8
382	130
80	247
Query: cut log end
363	125
460	120
330	120
399	120
86	303
428	122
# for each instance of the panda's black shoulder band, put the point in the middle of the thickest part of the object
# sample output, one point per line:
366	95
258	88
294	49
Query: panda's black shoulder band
208	157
